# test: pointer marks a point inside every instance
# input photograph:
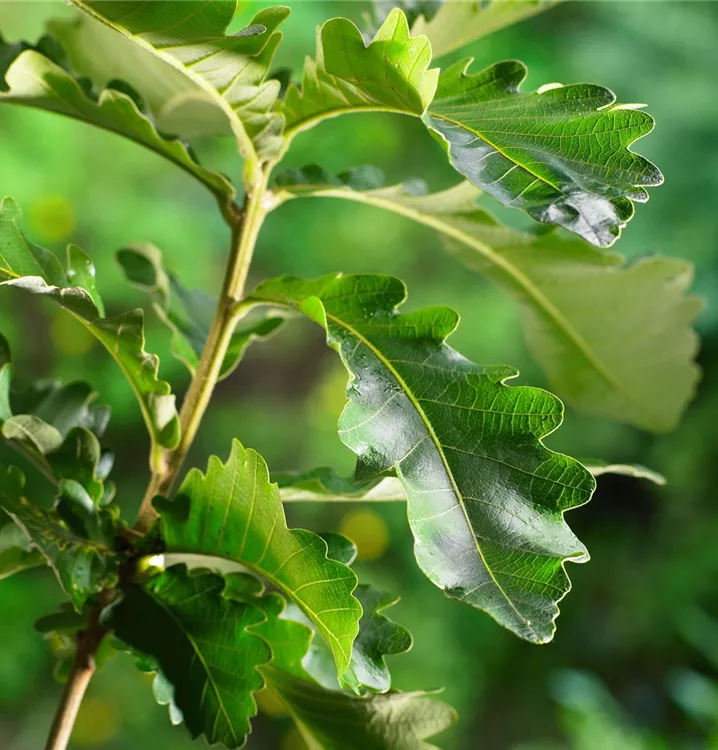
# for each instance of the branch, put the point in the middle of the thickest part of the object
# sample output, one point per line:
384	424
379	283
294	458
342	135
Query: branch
82	670
245	228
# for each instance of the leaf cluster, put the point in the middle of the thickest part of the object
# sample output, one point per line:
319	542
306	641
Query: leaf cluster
220	598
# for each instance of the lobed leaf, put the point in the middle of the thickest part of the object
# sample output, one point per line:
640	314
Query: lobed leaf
561	154
225	86
81	556
188	313
378	638
40	77
455	24
234	512
632	363
390	74
203	644
485	497
36	271
328	719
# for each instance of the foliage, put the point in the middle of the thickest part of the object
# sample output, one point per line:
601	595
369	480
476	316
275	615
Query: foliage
485	497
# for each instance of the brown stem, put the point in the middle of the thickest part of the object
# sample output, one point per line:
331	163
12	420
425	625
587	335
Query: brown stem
82	670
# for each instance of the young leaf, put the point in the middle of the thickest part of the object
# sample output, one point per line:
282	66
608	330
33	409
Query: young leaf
633	363
328	719
233	512
83	562
225	73
203	644
485	497
37	271
561	154
325	485
188	313
40	77
457	23
390	74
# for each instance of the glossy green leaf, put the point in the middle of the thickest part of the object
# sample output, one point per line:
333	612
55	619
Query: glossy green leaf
598	468
561	154
328	719
325	485
390	74
203	644
188	313
485	497
455	24
36	271
226	74
84	564
234	512
633	363
40	78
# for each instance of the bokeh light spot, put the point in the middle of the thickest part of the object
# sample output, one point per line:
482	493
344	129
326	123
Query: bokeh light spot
368	531
52	218
97	723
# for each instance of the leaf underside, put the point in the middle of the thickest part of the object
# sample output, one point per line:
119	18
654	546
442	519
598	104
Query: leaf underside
485	497
221	86
457	23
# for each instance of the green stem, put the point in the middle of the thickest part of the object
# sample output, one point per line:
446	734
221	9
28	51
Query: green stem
245	229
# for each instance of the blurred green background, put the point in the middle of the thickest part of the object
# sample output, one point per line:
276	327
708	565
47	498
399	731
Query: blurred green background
635	662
